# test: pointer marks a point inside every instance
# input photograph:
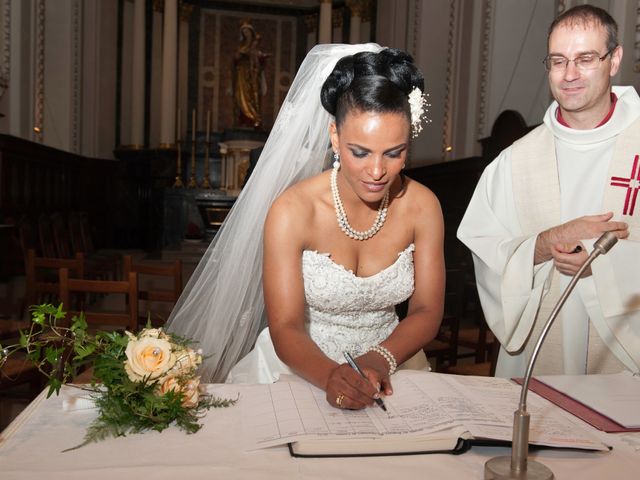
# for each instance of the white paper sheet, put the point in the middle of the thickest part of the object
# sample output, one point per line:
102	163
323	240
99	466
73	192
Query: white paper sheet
616	396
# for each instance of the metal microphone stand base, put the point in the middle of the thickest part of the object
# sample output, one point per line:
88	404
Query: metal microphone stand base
499	468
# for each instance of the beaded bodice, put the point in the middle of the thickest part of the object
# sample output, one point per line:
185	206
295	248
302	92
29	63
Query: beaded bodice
345	312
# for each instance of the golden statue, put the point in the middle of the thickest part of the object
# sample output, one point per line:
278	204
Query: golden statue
249	83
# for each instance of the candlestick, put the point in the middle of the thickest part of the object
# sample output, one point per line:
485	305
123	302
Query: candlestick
192	178
207	144
193	125
178	182
179	126
208	125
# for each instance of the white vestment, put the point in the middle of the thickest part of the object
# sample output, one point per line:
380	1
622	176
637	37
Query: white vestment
551	176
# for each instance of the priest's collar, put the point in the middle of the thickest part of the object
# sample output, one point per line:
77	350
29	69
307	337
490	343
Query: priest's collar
614	99
625	111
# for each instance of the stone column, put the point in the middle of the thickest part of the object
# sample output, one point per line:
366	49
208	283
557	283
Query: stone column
365	24
324	31
337	23
311	24
183	65
356	7
169	74
137	75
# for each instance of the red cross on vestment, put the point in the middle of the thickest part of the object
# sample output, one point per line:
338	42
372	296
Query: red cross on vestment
632	184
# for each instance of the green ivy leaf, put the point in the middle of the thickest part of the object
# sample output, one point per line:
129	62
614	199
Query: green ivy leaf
38	317
83	351
23	339
78	323
35	353
54	386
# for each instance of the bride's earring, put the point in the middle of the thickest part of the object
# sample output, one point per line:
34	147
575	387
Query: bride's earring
336	160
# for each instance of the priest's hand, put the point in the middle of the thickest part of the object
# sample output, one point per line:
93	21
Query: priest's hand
572	232
569	257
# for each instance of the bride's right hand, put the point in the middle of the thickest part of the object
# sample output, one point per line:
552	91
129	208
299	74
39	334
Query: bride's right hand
347	389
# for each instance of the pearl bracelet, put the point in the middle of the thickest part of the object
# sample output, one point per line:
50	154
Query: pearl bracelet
387	355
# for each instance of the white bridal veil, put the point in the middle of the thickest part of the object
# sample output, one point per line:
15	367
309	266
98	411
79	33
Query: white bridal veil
222	306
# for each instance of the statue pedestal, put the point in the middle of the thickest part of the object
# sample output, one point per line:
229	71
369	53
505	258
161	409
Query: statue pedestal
235	163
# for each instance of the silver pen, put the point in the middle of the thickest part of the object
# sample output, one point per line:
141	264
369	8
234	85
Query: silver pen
355	366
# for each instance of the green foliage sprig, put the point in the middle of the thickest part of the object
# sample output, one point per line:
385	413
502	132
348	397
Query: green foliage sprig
140	382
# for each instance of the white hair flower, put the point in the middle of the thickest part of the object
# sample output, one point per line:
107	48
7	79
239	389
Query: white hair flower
418	106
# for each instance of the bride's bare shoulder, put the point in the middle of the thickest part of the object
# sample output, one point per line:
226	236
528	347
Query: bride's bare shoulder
419	195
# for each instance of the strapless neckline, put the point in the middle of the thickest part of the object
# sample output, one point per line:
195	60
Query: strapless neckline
327	257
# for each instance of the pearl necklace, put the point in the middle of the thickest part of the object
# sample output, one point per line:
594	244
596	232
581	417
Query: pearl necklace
342	215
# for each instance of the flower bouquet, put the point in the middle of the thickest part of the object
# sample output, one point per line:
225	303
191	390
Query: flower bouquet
144	381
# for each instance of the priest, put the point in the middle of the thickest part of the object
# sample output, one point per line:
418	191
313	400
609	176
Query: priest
541	204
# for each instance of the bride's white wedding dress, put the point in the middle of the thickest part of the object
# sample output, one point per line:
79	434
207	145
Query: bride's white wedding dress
343	312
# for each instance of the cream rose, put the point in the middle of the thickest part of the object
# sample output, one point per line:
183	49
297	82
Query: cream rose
190	389
153	333
148	357
187	360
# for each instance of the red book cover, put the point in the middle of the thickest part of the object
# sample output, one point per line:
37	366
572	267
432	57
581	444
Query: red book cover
576	408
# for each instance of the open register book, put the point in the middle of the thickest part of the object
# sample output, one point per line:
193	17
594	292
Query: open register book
427	413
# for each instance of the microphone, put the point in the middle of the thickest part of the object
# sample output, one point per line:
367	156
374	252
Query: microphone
517	465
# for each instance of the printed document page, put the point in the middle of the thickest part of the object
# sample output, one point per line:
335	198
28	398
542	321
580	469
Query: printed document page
494	402
422	403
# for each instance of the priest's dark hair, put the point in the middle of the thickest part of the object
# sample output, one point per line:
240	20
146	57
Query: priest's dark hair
584	15
371	82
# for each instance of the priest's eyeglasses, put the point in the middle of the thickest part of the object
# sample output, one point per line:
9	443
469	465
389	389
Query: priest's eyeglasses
586	61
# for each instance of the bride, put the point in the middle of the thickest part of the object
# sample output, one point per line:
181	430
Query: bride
341	247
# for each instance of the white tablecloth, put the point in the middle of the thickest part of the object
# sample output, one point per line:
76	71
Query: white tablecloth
31	447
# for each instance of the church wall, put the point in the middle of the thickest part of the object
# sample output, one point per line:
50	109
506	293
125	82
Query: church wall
126	74
96	118
59	85
518	80
156	79
430	47
17	101
627	15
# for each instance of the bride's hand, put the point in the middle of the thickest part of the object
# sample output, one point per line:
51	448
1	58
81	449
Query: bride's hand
376	369
347	389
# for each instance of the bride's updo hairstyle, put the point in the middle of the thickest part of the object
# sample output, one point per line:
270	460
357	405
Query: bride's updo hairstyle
371	82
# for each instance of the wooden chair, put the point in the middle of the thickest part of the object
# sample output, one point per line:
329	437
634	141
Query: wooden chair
18	370
75	232
482	369
475	335
444	348
61	238
20	380
105	264
149	274
126	318
42	276
27	235
45	237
